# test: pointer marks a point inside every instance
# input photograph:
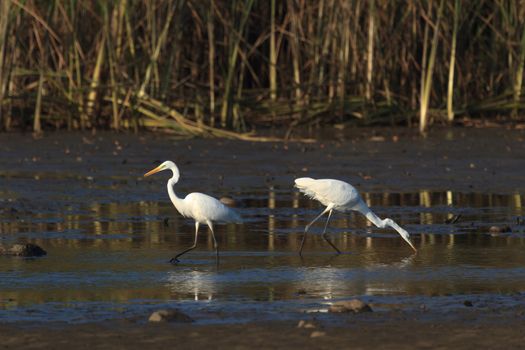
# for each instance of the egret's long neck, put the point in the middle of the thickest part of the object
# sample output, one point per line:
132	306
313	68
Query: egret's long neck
177	202
370	215
361	207
365	210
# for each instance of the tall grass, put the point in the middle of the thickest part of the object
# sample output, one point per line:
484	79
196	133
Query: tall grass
224	67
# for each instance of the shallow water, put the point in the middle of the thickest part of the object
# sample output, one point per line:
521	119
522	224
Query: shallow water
109	235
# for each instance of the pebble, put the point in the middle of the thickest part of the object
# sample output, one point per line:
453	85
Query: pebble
354	305
305	324
171	315
317	334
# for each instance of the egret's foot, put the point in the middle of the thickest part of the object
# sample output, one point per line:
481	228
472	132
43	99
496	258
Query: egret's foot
174	261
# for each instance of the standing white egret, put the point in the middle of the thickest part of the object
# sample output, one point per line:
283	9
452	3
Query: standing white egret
198	206
341	196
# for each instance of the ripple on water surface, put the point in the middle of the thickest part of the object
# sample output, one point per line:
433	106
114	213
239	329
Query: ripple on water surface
109	258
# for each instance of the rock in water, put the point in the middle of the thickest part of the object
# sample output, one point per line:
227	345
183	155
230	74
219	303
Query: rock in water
171	315
354	305
230	202
25	250
495	230
317	334
305	324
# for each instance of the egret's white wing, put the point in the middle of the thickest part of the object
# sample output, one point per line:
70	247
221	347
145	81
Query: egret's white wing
328	191
204	207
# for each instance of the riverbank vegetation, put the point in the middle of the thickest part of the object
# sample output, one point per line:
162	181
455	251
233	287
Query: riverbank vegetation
226	67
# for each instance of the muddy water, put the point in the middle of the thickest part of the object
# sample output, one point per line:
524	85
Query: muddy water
109	232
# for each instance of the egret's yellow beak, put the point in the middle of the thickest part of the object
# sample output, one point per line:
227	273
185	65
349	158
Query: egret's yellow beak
151	172
412	246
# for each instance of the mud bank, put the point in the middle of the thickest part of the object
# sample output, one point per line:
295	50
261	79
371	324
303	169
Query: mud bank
462	330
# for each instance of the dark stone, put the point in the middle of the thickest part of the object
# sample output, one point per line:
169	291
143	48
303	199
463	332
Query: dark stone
354	305
468	303
500	229
25	250
171	315
230	202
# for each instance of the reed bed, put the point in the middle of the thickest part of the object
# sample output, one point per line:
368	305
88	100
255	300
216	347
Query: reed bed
223	68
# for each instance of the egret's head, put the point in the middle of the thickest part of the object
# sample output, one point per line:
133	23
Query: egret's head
164	166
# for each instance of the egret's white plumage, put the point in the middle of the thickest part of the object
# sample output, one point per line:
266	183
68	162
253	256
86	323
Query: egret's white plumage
341	196
200	207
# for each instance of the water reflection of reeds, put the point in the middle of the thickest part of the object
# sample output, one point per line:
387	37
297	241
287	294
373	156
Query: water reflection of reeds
152	223
259	257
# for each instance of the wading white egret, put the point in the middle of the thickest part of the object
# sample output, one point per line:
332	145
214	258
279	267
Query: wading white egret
341	196
198	206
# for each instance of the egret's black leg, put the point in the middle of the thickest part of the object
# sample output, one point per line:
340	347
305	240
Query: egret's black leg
324	233
308	227
175	258
215	245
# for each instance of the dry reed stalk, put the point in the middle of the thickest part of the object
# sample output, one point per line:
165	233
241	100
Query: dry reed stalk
37	126
93	86
370	49
518	80
452	64
159	44
288	62
5	12
155	110
272	61
428	74
234	40
211	60
294	48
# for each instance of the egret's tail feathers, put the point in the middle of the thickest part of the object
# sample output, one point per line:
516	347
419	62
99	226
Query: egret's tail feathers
305	184
391	223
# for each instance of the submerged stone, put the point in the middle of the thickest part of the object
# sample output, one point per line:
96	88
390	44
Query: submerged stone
306	324
171	315
317	334
354	305
230	202
25	250
494	230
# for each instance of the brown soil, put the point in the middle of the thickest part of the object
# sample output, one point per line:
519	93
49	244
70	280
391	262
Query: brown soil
392	332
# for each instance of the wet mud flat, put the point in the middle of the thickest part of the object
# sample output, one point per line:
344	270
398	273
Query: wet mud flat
465	329
109	234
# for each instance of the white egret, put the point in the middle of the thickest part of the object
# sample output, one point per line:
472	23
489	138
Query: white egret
198	206
341	196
